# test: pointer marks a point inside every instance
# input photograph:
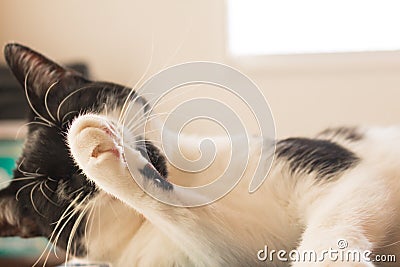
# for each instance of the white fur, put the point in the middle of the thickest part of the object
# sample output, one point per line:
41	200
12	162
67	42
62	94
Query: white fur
130	228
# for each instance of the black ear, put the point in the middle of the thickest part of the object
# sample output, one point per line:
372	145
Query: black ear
12	221
37	74
35	70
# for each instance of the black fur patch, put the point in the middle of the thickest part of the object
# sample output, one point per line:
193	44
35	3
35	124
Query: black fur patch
157	172
347	133
151	173
152	153
323	157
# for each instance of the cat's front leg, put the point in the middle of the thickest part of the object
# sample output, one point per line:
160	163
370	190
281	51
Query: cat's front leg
96	148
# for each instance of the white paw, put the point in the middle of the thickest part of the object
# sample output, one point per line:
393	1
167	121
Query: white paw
95	145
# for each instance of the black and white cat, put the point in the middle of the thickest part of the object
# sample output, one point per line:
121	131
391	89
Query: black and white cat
72	185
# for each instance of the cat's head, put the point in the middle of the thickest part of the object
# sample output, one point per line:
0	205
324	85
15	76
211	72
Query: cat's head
48	186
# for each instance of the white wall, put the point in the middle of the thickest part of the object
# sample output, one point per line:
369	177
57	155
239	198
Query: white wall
116	38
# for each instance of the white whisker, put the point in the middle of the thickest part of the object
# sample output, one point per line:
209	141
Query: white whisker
179	47
93	204
33	203
30	103
66	98
36	174
74	228
22	188
17	179
51	179
134	125
66	115
125	105
52	234
44	194
29	123
45	100
105	108
139	112
70	216
48	188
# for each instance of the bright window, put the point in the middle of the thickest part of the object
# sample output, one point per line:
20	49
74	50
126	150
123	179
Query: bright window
269	27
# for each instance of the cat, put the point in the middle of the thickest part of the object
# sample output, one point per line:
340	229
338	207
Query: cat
72	186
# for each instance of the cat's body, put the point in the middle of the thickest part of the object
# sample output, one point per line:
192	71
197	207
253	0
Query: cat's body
293	209
341	185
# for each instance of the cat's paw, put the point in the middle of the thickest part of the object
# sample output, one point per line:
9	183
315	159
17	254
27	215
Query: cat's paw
95	144
96	147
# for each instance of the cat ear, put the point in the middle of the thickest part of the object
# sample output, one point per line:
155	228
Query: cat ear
36	73
12	222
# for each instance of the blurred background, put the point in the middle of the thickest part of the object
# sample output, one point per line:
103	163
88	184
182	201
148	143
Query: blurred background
306	92
319	63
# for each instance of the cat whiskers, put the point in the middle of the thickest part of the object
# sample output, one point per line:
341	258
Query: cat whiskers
44	193
23	187
51	179
46	185
68	215
142	141
33	203
99	221
144	115
45	100
36	173
63	120
147	104
139	114
105	108
18	179
182	41
29	123
89	218
58	223
138	97
76	191
50	124
124	108
65	99
135	125
76	225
